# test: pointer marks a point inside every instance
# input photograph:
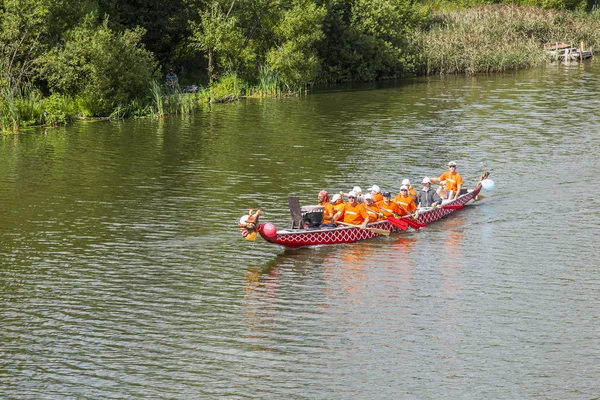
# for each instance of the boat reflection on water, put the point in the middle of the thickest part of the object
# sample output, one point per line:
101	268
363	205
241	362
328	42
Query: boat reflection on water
451	286
263	282
349	269
453	244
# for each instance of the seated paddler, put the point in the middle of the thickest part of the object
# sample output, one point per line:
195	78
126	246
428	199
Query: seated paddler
388	207
405	201
411	190
376	193
358	192
352	213
372	209
328	210
337	202
428	197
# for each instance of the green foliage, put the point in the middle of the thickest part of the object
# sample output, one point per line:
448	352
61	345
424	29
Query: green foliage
165	22
240	37
59	109
20	109
102	68
9	118
218	35
294	58
269	83
28	28
228	88
157	94
30	106
368	40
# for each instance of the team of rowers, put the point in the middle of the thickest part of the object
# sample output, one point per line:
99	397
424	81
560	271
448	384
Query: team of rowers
377	205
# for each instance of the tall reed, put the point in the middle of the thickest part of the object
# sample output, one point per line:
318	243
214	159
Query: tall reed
187	103
269	83
157	94
498	38
9	112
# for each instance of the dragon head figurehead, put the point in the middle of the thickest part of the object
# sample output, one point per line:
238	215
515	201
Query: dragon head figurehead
249	224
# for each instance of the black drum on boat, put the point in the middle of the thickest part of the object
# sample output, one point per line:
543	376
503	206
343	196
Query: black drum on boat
312	216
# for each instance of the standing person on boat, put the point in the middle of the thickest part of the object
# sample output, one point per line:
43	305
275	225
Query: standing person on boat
411	190
376	193
353	212
388	207
337	202
454	181
405	201
371	208
328	207
428	197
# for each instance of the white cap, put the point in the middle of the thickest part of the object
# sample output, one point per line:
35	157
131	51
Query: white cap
375	188
357	189
406	182
368	196
352	194
336	197
426	180
452	163
404	188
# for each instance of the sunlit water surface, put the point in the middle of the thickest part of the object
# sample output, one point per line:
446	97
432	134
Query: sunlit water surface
123	275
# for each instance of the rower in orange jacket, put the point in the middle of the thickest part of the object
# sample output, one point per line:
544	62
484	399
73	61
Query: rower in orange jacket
405	201
353	212
376	193
328	211
454	182
388	207
371	208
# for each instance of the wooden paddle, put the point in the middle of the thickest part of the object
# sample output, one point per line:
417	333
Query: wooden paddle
374	230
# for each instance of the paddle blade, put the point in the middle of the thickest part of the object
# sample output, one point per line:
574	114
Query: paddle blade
380	231
413	224
456	207
398	223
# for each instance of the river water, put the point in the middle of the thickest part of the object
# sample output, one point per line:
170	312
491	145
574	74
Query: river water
123	274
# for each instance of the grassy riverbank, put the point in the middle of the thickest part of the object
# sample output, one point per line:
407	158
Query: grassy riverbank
29	108
479	39
499	38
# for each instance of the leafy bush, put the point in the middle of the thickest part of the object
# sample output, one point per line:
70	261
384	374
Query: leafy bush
103	69
229	87
58	109
370	39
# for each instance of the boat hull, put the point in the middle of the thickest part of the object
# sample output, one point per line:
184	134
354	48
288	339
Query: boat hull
296	238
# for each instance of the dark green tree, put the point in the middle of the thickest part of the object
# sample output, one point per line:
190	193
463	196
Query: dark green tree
29	28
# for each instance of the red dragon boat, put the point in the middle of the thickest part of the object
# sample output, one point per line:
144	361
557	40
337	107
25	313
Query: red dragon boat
303	236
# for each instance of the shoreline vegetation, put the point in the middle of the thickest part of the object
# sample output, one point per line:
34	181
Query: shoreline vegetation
58	66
